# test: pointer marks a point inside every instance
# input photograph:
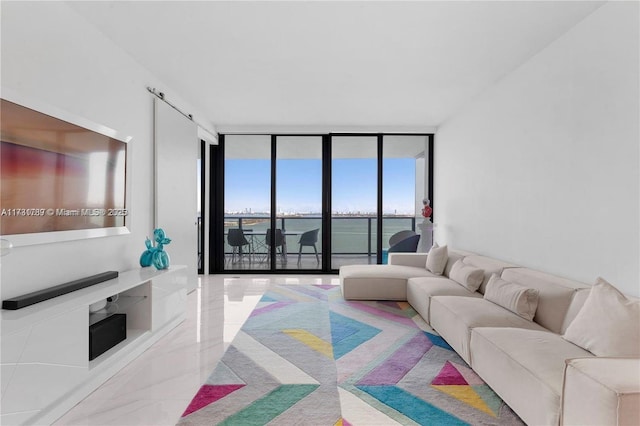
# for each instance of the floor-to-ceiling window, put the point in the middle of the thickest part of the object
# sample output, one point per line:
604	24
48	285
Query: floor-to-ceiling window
316	202
298	202
354	200
247	201
404	182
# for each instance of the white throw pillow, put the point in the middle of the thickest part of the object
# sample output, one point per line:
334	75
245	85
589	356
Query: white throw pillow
437	259
514	297
608	324
466	275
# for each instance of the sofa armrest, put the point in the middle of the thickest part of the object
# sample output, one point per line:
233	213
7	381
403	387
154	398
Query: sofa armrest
418	260
601	391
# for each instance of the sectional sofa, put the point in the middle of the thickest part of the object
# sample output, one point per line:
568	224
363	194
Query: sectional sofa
555	350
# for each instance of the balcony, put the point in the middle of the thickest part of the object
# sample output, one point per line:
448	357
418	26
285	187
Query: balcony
353	240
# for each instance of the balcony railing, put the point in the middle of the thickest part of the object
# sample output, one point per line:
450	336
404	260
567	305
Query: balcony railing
351	234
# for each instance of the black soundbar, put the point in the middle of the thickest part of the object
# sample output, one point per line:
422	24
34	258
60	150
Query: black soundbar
49	293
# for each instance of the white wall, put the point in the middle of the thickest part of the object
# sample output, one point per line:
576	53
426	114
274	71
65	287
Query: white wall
52	55
542	168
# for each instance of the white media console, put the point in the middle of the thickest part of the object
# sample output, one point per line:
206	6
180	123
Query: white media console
45	347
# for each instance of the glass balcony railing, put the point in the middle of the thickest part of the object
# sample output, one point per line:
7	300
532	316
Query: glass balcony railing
351	235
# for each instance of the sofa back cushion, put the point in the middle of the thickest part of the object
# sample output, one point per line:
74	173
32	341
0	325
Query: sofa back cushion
454	256
579	297
554	298
608	324
488	265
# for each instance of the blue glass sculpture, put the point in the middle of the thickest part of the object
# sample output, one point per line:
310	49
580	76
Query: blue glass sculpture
155	255
147	255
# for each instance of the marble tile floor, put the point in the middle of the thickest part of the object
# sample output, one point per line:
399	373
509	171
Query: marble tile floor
156	387
308	262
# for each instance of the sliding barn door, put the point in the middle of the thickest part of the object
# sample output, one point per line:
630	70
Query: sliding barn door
176	157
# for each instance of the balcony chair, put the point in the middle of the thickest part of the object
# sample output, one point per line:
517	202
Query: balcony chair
279	243
399	236
309	238
237	241
402	241
407	245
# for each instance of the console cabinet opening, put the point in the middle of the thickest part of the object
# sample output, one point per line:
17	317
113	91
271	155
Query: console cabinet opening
135	304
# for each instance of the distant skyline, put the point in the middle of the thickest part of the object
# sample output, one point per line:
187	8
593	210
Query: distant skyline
299	186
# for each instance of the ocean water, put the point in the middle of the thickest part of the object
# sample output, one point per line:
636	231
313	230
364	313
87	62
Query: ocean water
349	235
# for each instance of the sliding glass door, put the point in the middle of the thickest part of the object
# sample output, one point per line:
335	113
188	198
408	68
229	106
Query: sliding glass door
404	186
247	201
298	202
354	200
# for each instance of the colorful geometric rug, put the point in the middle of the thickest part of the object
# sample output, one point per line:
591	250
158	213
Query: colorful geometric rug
306	356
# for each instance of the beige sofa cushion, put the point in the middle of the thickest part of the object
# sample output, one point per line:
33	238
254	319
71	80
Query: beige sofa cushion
555	294
407	259
608	324
420	291
601	391
437	259
454	256
514	297
377	282
466	275
453	318
577	302
522	366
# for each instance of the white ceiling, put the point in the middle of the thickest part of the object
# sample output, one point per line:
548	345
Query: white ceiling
384	65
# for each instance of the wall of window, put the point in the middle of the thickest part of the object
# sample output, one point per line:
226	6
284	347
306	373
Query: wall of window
317	202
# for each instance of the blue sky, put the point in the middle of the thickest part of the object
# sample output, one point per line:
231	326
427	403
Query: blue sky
299	185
